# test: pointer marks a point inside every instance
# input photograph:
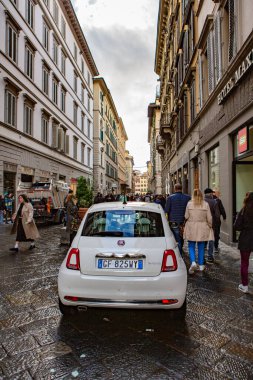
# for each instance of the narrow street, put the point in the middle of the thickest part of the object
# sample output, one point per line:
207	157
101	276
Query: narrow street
36	342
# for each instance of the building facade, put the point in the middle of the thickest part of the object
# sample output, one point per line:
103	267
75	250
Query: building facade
140	182
46	89
122	171
106	125
129	172
204	59
154	167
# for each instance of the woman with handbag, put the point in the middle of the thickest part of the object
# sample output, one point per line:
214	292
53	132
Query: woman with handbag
198	229
244	224
24	225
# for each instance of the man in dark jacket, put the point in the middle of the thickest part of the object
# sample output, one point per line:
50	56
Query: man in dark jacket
216	196
216	220
175	208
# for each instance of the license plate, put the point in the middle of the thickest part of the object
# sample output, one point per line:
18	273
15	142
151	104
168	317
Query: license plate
134	264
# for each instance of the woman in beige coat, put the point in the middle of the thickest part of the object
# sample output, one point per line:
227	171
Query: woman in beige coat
198	228
24	225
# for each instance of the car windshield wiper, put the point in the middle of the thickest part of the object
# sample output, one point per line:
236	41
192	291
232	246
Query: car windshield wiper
106	233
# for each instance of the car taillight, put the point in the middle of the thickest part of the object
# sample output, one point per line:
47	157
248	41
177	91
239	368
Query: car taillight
169	261
73	259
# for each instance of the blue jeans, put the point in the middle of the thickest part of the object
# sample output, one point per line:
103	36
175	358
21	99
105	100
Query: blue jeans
201	251
178	238
1	217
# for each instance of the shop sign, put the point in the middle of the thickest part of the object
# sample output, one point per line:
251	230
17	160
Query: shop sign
10	167
236	77
28	171
43	173
242	140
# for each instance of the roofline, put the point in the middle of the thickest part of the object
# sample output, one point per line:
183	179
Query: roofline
106	90
163	5
123	127
80	35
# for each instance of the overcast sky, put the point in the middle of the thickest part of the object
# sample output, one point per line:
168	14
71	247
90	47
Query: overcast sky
121	35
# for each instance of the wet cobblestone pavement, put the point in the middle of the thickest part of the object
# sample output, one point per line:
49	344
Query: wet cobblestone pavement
36	342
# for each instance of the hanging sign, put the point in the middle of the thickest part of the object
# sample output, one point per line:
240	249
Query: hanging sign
242	140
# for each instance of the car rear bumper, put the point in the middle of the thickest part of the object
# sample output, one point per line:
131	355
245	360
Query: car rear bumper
124	292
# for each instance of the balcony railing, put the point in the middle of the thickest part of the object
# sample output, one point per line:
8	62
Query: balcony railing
166	123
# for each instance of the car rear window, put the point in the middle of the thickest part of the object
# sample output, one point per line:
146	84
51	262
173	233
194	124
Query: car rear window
126	223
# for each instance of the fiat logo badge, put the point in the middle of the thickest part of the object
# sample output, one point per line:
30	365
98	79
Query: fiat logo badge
121	242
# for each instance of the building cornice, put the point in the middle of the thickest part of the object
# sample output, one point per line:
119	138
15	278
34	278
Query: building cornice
79	34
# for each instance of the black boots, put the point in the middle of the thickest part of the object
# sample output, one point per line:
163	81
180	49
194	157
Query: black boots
14	249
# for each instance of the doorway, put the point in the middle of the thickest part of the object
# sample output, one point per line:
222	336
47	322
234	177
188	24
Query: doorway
242	183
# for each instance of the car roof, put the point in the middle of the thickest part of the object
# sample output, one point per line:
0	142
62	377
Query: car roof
145	206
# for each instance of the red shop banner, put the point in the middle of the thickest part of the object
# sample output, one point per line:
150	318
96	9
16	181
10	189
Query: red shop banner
242	140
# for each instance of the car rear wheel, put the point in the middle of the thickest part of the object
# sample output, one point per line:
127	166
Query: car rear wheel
66	310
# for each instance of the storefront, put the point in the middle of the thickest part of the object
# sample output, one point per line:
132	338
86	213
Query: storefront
214	168
27	174
242	166
9	178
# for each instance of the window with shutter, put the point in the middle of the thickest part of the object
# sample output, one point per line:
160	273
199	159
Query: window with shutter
75	142
55	135
186	51
12	42
29	12
10	108
29	61
61	139
210	62
185	113
28	119
232	29
44	128
200	72
46	35
82	152
67	144
192	35
217	48
192	94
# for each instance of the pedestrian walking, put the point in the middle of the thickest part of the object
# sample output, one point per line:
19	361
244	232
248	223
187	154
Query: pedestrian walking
198	229
109	198
98	198
24	226
244	224
9	201
2	209
214	208
147	197
160	199
175	208
73	219
216	196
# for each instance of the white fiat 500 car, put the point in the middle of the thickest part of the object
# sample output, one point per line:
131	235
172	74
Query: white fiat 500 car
123	256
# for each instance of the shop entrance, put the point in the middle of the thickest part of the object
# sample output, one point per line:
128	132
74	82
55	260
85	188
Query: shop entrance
9	182
242	183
